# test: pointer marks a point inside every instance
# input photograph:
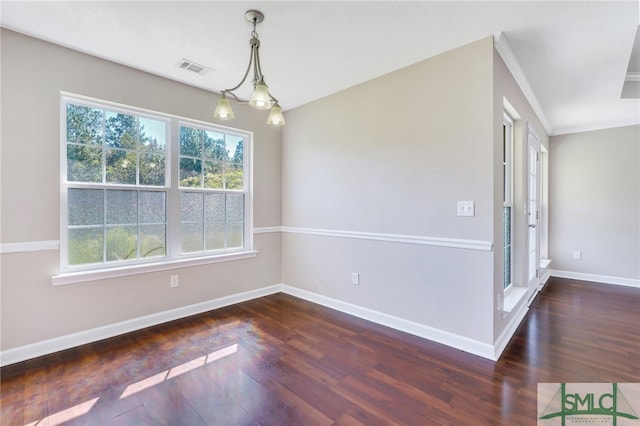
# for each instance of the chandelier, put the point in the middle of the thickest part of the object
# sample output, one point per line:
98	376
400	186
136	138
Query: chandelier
261	98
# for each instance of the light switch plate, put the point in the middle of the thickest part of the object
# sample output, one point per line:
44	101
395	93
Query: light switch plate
466	208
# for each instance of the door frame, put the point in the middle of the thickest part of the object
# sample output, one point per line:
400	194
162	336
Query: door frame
532	210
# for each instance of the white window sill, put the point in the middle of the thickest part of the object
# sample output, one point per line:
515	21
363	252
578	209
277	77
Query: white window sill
512	297
122	271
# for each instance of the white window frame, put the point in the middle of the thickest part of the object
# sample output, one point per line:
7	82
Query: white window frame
508	188
246	190
174	258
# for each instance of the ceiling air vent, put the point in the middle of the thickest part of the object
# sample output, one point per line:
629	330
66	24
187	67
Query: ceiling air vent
188	65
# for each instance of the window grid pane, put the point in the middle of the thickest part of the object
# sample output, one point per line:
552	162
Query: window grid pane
104	146
210	159
85	245
212	221
507	246
106	225
122	242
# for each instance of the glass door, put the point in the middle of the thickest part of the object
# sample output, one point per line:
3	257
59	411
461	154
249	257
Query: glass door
533	189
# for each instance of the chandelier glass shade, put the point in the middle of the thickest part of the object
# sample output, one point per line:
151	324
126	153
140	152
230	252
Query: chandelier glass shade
261	97
223	109
276	118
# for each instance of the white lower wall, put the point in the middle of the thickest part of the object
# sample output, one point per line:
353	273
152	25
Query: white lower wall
440	288
436	335
44	347
34	310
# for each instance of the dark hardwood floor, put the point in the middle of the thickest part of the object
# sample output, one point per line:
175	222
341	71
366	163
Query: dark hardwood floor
279	360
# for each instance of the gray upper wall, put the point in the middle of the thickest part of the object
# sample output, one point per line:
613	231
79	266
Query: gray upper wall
594	202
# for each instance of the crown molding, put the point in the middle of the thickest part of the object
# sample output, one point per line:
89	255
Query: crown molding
502	46
595	127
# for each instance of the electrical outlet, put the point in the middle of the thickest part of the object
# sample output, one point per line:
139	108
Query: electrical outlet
175	281
499	302
466	208
577	255
355	278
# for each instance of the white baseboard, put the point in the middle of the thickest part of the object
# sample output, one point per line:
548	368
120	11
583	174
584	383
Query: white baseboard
605	279
509	330
546	274
45	347
485	350
475	347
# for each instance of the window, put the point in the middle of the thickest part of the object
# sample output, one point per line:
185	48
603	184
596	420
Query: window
507	196
141	187
211	187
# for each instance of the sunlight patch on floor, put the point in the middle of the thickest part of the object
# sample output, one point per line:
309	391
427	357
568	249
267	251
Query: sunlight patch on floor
66	414
178	370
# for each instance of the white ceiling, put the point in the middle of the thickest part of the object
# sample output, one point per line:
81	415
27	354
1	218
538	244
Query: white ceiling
574	54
